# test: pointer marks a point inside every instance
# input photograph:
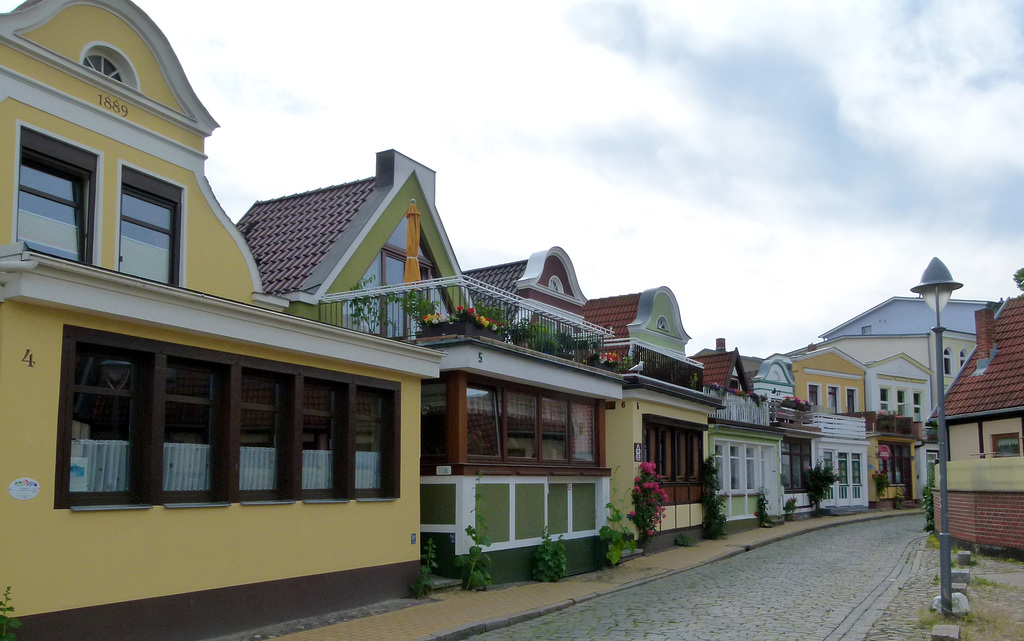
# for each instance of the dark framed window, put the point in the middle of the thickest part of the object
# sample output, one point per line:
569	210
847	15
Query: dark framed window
150	212
520	425
56	195
676	452
146	422
796	461
434	420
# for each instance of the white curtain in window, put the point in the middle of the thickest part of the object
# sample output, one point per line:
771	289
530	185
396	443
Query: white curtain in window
99	466
257	468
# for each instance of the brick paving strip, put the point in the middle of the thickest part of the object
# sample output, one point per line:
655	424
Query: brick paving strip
458	615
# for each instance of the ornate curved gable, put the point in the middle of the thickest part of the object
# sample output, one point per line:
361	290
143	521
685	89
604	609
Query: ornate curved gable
658	320
64	33
549	276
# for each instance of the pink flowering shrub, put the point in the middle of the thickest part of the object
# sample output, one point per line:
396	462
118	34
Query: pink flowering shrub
648	501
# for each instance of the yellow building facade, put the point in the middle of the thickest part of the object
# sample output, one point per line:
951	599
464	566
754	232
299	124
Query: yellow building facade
174	447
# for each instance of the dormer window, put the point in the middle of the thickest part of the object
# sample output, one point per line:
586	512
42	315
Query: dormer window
555	284
111	63
663	323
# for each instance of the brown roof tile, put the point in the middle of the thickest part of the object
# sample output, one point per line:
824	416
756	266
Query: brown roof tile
503	277
615	312
289	236
1001	386
718	367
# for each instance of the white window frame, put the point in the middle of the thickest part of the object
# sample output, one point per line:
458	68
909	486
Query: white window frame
917	401
883	398
901	402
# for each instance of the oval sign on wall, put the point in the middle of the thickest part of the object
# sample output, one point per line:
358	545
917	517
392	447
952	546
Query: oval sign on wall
24	488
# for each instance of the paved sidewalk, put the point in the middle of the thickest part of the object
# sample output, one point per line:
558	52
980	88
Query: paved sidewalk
457	615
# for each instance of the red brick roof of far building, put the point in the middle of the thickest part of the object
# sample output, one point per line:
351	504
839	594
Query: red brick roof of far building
615	312
1001	386
290	236
503	276
718	367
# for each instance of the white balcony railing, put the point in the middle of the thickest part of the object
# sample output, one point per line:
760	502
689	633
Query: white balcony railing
837	426
740	408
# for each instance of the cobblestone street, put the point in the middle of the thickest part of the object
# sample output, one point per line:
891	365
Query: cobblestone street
828	585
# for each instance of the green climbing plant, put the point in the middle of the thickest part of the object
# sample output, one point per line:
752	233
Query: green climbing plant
711	499
7	622
476	575
616	534
424	582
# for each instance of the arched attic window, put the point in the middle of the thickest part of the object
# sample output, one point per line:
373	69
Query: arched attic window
947	362
963	358
111	63
555	284
663	323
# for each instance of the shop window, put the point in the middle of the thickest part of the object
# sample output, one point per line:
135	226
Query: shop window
121	394
150	213
55	197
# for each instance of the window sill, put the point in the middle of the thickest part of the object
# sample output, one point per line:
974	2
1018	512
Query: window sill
319	501
376	500
108	508
271	502
176	506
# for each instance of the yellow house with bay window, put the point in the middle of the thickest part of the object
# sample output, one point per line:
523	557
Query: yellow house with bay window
174	447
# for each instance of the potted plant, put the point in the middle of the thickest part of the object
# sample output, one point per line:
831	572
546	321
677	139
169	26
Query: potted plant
462	322
881	481
790	508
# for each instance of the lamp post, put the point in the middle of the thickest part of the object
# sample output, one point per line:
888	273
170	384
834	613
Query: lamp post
936	286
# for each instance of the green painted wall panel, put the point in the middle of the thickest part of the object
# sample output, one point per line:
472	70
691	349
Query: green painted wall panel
437	504
529	510
558	508
584	509
493	506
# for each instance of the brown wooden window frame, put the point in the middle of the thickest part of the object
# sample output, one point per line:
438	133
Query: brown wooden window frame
502	390
676	451
148	422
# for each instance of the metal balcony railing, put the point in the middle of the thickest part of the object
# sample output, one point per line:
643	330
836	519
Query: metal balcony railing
398	311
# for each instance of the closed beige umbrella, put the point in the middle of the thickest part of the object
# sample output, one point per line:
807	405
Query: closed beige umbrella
412	243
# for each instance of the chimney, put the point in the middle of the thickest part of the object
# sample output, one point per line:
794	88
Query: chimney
985	327
719	344
811	347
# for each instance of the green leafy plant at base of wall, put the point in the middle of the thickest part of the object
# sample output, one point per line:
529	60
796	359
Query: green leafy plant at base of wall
551	561
7	622
476	561
763	518
615	534
712	501
684	541
424	583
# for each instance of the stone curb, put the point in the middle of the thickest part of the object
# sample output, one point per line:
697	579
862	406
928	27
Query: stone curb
471	629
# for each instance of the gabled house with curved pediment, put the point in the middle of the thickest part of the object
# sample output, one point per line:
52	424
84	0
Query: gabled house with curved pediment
663	415
176	448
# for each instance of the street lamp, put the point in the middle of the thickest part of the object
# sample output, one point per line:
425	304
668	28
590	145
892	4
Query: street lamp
937	285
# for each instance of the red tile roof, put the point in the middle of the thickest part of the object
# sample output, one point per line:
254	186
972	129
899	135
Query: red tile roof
1001	386
615	312
718	367
503	277
289	236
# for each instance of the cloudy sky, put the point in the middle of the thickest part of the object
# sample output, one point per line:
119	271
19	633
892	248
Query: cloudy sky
780	166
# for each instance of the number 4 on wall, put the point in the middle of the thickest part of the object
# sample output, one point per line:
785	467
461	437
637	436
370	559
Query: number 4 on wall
28	358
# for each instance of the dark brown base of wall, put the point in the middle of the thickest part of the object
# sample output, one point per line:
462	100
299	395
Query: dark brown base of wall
988	550
213	613
667	539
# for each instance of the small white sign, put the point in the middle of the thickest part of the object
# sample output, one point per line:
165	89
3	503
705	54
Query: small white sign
24	489
444	470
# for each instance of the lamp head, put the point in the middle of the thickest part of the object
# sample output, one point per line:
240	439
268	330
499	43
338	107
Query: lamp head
937	285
